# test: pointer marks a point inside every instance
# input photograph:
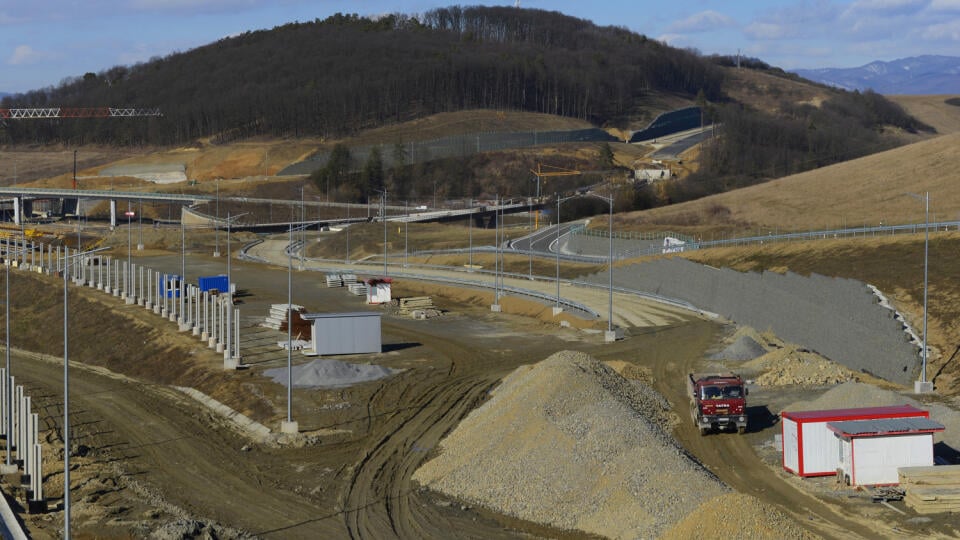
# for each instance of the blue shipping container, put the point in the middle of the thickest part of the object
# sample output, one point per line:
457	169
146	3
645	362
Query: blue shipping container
172	288
208	283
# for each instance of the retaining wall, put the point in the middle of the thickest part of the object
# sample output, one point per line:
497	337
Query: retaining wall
839	318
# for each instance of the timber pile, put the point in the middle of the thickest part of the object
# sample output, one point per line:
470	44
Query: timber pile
334	280
348	279
411	303
931	490
277	320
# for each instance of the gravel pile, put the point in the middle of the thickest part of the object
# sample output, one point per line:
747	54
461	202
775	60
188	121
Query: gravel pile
570	443
744	348
790	365
328	374
851	395
736	515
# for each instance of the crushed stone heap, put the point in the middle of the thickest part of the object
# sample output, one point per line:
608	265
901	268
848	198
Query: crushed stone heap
569	443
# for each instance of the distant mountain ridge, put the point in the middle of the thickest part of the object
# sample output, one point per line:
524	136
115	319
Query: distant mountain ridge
916	75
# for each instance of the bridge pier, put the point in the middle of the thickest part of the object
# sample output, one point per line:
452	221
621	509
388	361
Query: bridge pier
16	210
113	214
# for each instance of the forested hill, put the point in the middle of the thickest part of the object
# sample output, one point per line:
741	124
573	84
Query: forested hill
335	76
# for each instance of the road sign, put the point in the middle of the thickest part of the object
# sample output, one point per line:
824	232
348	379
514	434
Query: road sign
129	214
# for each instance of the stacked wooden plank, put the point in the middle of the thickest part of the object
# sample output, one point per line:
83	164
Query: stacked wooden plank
931	490
411	303
348	279
277	319
334	280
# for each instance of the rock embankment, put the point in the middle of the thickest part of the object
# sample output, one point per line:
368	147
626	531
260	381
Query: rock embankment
569	443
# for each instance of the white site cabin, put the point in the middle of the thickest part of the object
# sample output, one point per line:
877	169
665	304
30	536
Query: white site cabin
871	451
810	448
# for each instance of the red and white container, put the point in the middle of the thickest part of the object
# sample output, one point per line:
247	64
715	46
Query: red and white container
810	448
871	451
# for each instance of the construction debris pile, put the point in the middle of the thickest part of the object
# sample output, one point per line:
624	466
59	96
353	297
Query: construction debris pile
930	490
328	374
570	443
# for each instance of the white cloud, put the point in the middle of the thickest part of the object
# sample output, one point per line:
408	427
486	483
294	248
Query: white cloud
944	5
703	21
943	31
24	55
766	30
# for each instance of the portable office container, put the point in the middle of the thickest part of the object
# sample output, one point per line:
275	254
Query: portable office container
871	451
345	333
810	448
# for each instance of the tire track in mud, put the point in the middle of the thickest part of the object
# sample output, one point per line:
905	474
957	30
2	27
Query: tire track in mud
377	503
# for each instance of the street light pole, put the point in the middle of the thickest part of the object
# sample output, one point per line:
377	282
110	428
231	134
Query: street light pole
926	251
924	386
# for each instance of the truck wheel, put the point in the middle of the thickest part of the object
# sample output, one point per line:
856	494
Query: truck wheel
742	429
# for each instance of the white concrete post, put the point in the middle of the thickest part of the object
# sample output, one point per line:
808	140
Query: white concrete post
113	214
140	298
173	303
205	334
116	278
183	319
221	307
162	291
16	210
106	280
28	441
213	322
23	410
236	335
15	429
196	313
37	479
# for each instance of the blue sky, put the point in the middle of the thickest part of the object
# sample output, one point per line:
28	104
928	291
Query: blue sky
44	41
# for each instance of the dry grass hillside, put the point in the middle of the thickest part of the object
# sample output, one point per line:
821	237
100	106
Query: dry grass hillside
766	92
865	191
932	110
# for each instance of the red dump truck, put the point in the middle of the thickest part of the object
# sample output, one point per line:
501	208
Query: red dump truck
718	402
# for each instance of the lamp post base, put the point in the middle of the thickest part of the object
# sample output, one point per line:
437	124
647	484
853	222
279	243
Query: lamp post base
289	428
922	387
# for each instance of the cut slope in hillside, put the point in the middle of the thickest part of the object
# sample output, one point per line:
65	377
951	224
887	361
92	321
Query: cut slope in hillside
570	443
865	191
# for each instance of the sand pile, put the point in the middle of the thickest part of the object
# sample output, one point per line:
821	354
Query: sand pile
570	443
329	374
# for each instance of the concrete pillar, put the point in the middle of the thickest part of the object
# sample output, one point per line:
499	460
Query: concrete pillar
221	305
106	277
196	315
113	214
162	292
236	336
184	319
140	299
205	334
16	210
212	343
118	268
